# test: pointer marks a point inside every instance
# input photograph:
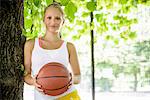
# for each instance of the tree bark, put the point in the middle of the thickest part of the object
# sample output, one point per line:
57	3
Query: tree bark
11	50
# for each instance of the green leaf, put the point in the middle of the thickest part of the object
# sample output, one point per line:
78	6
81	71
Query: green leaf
37	2
114	27
81	31
134	3
123	35
123	1
28	23
135	21
86	14
79	22
76	37
109	6
48	2
99	17
145	2
116	41
26	12
91	6
116	17
23	31
126	9
132	35
148	3
64	2
108	37
70	10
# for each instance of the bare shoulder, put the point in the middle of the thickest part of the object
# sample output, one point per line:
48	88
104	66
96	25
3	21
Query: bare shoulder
70	46
29	43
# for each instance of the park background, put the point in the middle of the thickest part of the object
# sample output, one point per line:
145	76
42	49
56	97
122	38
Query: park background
121	37
121	44
112	38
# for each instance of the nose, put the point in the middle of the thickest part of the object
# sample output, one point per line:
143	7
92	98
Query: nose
53	21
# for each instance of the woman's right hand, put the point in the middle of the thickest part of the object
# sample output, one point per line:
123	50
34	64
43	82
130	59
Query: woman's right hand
37	86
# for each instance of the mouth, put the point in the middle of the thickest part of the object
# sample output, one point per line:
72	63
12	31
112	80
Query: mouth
52	26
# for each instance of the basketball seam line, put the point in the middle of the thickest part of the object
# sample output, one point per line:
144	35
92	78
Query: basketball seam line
52	77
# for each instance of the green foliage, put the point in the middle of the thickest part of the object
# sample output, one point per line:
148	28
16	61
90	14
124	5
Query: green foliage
138	65
103	10
49	2
132	69
110	16
147	72
145	2
37	2
132	61
33	15
123	1
70	10
117	69
128	35
99	17
105	84
116	41
91	6
143	49
132	35
64	2
104	64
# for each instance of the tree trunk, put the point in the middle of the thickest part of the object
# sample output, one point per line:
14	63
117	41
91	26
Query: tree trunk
11	50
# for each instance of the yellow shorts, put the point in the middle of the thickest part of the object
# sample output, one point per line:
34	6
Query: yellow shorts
71	96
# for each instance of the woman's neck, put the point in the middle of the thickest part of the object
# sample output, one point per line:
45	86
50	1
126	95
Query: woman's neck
52	37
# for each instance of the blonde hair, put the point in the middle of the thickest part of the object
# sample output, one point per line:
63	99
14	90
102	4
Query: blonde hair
55	5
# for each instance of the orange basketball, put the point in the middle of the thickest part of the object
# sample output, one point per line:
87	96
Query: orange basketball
54	78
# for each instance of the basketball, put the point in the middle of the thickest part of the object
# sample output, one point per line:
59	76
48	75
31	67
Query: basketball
54	78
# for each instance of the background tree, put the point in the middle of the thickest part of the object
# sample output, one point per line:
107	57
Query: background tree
11	50
136	62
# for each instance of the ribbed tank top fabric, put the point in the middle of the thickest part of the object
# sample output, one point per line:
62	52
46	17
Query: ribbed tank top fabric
41	56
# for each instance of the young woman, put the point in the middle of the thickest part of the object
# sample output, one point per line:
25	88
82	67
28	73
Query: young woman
51	48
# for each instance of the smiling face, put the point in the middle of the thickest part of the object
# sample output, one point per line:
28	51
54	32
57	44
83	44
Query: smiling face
53	19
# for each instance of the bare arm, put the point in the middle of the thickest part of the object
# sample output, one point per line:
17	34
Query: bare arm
73	59
29	45
27	61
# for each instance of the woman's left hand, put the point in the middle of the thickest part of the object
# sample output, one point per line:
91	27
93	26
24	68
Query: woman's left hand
76	79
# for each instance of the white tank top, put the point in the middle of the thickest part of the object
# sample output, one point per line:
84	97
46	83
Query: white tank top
41	56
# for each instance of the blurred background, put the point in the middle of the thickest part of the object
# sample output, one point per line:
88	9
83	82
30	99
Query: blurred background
121	39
